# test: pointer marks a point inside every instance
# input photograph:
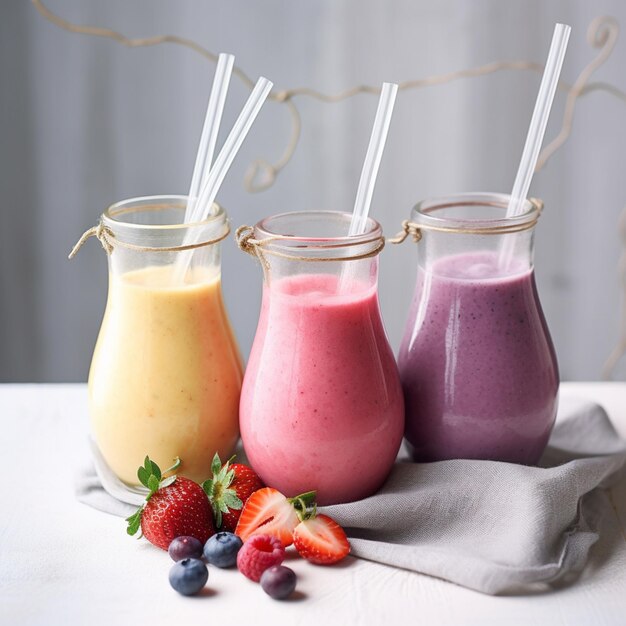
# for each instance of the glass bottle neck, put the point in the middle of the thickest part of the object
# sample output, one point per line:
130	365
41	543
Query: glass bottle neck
150	233
311	252
470	236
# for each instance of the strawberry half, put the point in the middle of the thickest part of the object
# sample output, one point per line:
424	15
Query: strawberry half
174	507
321	540
269	512
228	490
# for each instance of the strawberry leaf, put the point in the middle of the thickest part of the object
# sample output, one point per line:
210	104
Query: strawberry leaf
143	476
153	483
134	522
228	478
216	464
166	482
150	476
156	470
231	500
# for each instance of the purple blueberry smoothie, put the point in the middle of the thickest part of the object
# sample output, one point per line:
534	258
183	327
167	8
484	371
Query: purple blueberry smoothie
477	364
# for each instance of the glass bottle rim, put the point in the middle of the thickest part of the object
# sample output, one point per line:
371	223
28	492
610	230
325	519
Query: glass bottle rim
269	228
112	213
423	212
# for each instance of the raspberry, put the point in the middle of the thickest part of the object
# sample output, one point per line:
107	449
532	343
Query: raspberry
259	553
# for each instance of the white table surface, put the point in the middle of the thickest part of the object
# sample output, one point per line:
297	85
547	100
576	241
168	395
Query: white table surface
62	562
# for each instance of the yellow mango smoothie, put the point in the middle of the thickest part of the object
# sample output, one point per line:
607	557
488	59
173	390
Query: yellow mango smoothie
166	373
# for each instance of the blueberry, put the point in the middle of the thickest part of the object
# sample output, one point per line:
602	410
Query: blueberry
185	548
188	576
221	549
278	582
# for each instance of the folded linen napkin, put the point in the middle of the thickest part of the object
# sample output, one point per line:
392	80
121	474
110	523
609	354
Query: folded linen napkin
489	526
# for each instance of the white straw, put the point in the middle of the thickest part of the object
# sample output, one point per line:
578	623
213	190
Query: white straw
365	190
215	178
231	146
210	130
373	157
536	132
539	120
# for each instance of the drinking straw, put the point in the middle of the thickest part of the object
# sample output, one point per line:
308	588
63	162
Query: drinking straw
536	131
373	157
374	154
208	138
215	178
231	146
206	147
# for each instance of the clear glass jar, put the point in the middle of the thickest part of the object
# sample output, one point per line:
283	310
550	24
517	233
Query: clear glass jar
166	373
321	404
477	364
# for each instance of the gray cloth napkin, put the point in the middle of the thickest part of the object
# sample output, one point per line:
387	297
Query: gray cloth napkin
493	527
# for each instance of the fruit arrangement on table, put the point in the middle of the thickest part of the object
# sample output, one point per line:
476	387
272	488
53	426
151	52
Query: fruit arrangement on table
230	520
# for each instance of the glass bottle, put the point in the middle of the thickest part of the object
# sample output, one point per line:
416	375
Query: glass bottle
166	373
321	404
477	364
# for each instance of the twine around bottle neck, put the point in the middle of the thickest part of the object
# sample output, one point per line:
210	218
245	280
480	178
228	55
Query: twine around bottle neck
415	230
109	242
259	248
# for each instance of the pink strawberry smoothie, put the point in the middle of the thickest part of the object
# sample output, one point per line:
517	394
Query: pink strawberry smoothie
321	405
477	364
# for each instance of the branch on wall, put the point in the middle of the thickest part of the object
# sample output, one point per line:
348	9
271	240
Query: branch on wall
602	33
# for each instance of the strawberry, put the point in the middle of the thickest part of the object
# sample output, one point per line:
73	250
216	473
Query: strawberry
228	490
269	512
320	539
174	507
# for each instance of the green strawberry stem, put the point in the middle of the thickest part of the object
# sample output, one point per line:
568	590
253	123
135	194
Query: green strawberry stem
218	489
305	505
151	477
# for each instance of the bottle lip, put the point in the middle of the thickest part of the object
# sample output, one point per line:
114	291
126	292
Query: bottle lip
113	214
275	228
423	212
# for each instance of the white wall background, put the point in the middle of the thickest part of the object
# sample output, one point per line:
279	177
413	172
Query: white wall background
85	122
